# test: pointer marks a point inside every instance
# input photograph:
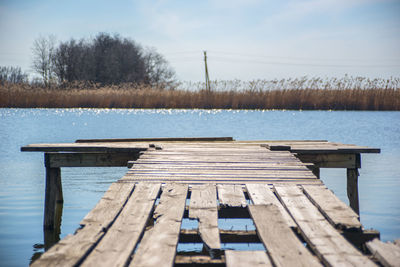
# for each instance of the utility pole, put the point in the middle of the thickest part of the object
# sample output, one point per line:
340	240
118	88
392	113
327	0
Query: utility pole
208	88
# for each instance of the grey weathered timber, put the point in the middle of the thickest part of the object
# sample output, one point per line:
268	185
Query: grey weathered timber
218	167
198	260
72	249
331	160
388	254
226	236
53	197
237	174
352	189
332	248
203	207
231	195
87	159
262	195
318	147
158	245
279	239
86	147
166	139
337	212
202	180
256	258
120	240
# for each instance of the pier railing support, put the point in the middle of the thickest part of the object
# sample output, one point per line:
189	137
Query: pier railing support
53	195
352	189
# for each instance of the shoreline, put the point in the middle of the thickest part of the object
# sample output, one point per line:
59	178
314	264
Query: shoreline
334	98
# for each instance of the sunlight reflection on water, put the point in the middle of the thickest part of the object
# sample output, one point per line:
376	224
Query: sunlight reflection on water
22	175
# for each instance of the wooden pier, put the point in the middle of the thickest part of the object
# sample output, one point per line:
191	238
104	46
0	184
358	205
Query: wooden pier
274	185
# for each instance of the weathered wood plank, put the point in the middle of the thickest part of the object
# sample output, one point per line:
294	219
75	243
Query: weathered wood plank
56	160
198	260
203	207
247	258
278	237
221	181
327	150
72	249
332	248
302	174
226	236
338	213
251	167
331	160
262	195
231	195
159	139
158	245
388	254
120	240
84	147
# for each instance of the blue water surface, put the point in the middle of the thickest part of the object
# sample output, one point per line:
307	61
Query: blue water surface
22	174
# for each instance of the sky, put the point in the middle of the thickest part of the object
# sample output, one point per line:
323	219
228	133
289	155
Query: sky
244	39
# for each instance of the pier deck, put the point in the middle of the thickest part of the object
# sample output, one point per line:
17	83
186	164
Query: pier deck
288	216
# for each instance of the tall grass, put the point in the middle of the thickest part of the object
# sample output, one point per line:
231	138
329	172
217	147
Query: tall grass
307	94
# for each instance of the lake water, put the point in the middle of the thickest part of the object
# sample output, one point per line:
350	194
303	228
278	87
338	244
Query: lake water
22	174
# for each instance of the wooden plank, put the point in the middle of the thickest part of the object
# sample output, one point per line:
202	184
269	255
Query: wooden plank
226	236
282	245
338	213
72	249
244	175
84	147
278	147
388	254
331	160
158	139
198	260
326	150
262	195
158	245
272	162
120	240
231	195
332	248
215	166
85	159
236	258
203	207
222	181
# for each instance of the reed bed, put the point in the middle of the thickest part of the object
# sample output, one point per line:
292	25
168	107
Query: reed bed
295	94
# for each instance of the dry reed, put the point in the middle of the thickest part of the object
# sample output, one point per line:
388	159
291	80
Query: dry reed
305	94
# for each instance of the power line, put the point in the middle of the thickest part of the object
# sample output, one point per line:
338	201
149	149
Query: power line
219	57
301	58
222	59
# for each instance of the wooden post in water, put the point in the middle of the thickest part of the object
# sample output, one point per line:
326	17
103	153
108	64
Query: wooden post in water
352	189
53	195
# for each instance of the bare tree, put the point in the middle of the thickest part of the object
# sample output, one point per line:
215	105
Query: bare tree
43	58
158	71
12	75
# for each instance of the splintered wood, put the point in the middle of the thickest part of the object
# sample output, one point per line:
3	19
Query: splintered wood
203	207
138	222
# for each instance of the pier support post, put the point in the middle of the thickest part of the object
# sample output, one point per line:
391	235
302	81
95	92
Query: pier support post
53	196
352	189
